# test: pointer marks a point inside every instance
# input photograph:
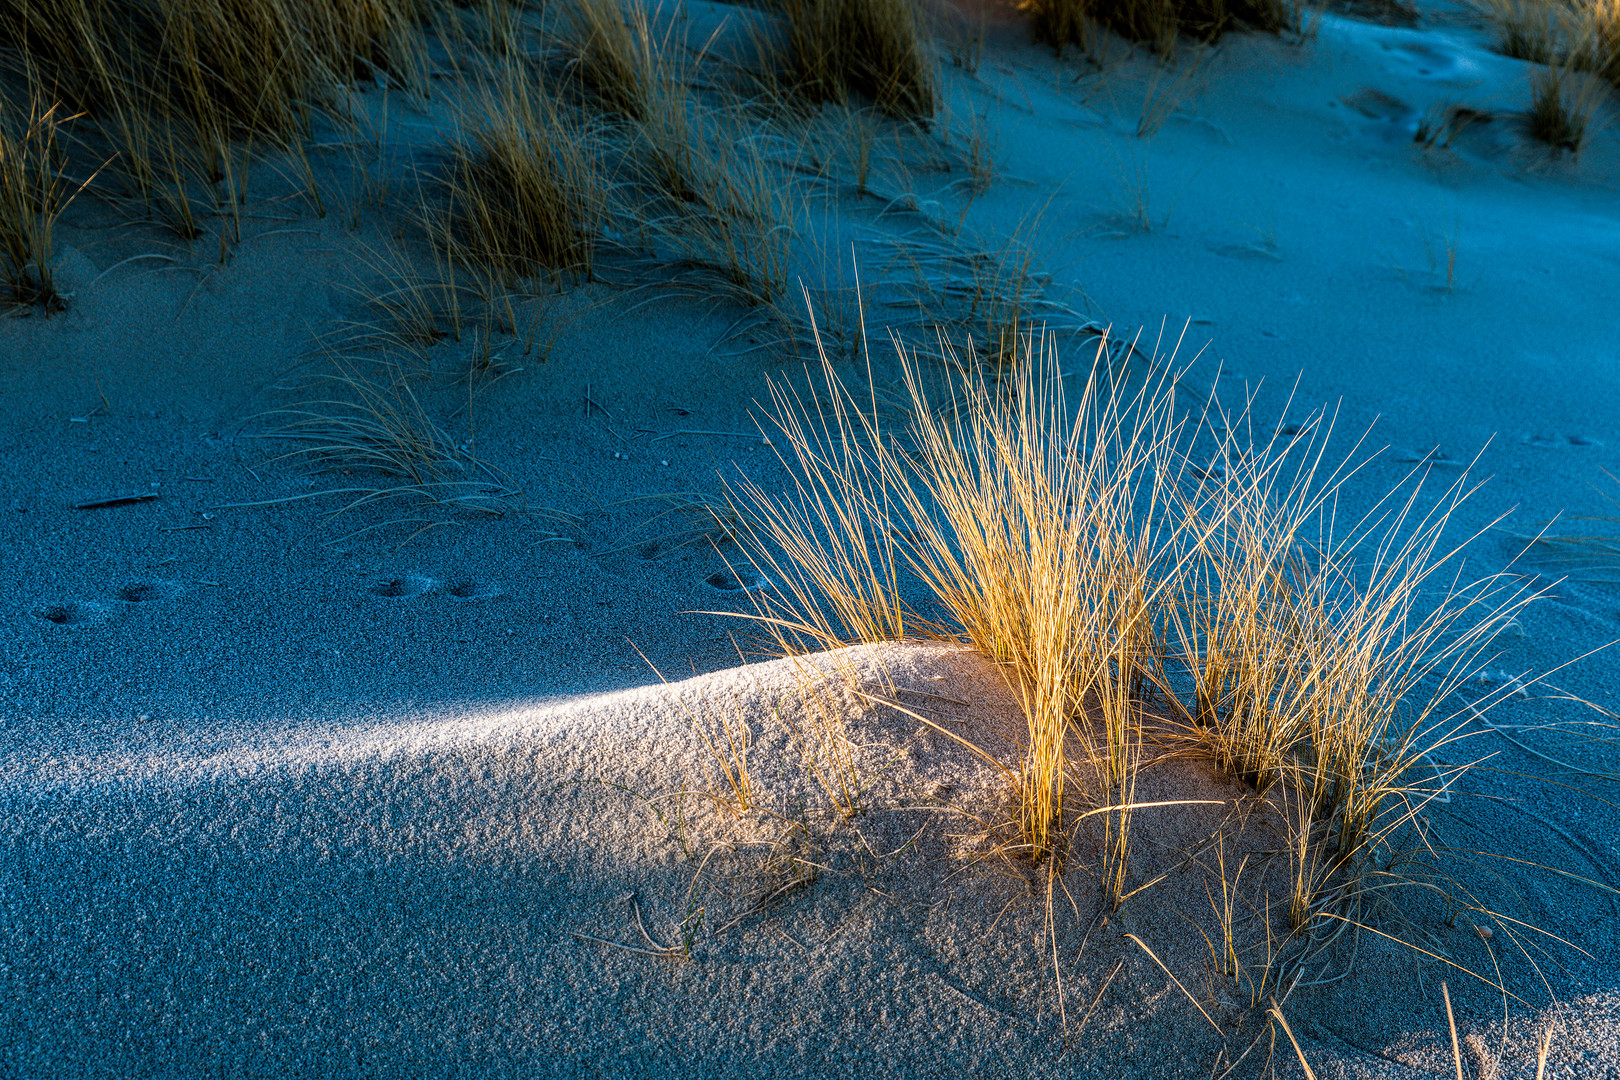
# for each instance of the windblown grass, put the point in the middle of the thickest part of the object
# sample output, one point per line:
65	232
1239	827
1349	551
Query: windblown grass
1561	104
178	92
871	48
375	424
1157	24
1320	659
1015	520
1060	23
1582	36
1232	607
1118	564
33	194
526	192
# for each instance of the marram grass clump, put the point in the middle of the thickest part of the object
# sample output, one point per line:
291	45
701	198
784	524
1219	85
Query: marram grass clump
1561	104
869	48
525	194
1158	24
1127	574
176	95
33	193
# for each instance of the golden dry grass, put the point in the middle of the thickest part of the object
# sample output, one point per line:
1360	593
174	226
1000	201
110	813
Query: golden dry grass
1600	44
33	194
826	543
1533	30
526	190
1013	515
177	92
1073	538
1319	658
1037	530
1562	101
1581	35
1158	24
1108	557
870	48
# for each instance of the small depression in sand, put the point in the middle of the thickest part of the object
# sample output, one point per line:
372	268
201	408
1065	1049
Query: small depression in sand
407	585
729	581
469	589
72	613
149	590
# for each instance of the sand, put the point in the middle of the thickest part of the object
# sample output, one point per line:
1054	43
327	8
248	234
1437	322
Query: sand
293	793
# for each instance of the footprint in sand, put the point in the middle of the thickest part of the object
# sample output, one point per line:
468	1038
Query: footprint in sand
1427	61
1377	105
1436	457
404	585
1247	250
1558	442
73	613
147	590
726	581
468	589
1385	118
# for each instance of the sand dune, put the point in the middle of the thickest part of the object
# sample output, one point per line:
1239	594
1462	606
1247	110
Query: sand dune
294	786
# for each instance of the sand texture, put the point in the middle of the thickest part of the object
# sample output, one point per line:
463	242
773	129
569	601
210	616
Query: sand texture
304	774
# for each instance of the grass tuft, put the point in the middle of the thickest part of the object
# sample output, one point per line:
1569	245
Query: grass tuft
1060	23
376	422
1157	24
1533	30
1014	519
1318	659
615	55
1561	104
1581	36
1032	535
828	543
33	194
1599	50
526	194
1106	555
171	86
871	48
740	210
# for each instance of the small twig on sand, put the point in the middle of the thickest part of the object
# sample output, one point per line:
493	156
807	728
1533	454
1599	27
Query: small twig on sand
116	500
1277	1012
656	949
1451	1022
763	439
